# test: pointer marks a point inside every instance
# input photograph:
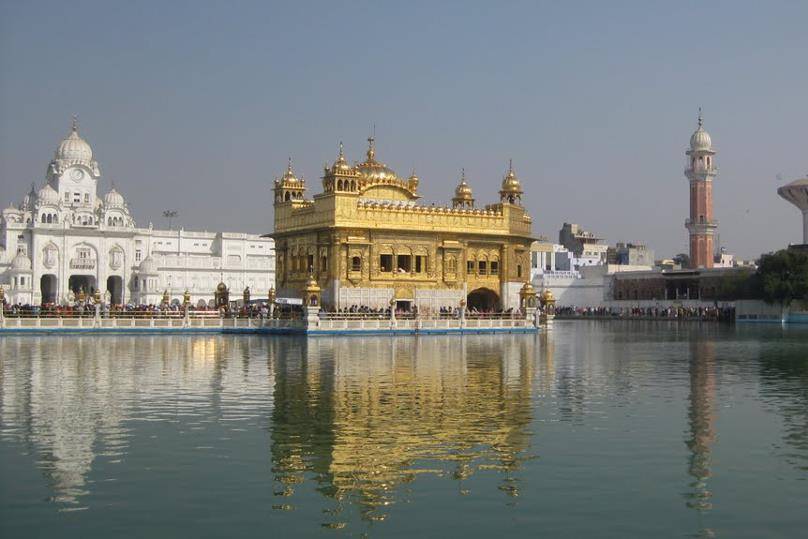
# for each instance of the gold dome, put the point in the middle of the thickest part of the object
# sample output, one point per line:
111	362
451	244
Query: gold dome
311	285
341	165
372	170
289	175
510	183
463	190
547	296
414	180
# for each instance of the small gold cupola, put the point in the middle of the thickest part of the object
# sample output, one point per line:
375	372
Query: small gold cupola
511	191
413	181
464	197
289	187
341	176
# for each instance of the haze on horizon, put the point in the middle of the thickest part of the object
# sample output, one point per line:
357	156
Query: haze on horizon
195	106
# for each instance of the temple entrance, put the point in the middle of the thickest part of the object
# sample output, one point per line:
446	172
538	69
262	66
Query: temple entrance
47	286
483	300
404	305
115	289
82	282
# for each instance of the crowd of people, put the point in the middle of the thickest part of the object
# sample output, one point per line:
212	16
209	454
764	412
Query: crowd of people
670	313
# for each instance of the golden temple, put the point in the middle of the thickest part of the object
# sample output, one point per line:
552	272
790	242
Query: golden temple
367	241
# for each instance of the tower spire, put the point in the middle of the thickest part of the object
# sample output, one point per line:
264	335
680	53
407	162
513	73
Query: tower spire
372	147
701	119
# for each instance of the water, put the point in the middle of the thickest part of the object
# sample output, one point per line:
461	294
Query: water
608	429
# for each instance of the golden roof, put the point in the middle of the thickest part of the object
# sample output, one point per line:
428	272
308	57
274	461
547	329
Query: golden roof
510	183
341	165
372	170
289	175
463	190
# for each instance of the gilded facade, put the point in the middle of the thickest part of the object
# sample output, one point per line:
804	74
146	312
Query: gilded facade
368	240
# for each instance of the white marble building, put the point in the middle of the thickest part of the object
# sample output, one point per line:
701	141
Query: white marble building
63	237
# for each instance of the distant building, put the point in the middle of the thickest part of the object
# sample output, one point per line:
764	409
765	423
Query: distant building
64	239
630	254
702	285
723	259
576	239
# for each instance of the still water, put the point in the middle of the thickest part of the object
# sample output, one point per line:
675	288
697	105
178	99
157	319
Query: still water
608	429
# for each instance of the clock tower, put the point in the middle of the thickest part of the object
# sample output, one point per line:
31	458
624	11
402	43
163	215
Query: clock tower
74	175
700	172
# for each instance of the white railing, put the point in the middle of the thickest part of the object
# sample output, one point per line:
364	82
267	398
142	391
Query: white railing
211	319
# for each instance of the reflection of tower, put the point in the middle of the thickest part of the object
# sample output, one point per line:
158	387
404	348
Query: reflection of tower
700	171
796	192
701	419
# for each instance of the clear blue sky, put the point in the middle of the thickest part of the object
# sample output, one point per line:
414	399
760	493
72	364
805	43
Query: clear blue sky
196	105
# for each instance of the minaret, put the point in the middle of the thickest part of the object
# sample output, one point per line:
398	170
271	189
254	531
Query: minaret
700	172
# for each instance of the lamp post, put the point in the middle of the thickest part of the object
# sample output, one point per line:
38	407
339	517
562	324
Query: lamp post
271	297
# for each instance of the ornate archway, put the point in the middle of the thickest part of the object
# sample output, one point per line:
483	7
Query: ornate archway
483	299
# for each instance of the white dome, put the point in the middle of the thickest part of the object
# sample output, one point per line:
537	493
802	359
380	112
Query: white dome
47	195
148	266
21	262
74	148
700	139
113	199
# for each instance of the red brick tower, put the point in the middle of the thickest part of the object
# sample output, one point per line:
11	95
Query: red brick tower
700	171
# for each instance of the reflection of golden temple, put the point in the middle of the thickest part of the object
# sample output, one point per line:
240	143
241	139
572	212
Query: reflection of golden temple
403	409
368	240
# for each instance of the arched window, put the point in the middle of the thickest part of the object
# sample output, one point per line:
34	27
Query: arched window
339	185
287	196
356	264
353	185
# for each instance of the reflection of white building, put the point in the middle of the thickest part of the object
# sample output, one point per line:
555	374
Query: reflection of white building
63	237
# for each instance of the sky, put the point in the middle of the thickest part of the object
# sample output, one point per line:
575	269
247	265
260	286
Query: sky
196	106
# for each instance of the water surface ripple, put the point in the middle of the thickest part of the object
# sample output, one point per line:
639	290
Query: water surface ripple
593	429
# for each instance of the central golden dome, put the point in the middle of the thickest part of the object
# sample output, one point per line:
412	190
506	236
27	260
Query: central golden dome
373	170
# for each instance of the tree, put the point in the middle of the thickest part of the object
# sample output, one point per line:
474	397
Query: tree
783	276
682	259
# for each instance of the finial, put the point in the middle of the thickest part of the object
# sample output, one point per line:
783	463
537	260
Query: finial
289	166
75	125
463	175
701	120
372	146
341	151
510	166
